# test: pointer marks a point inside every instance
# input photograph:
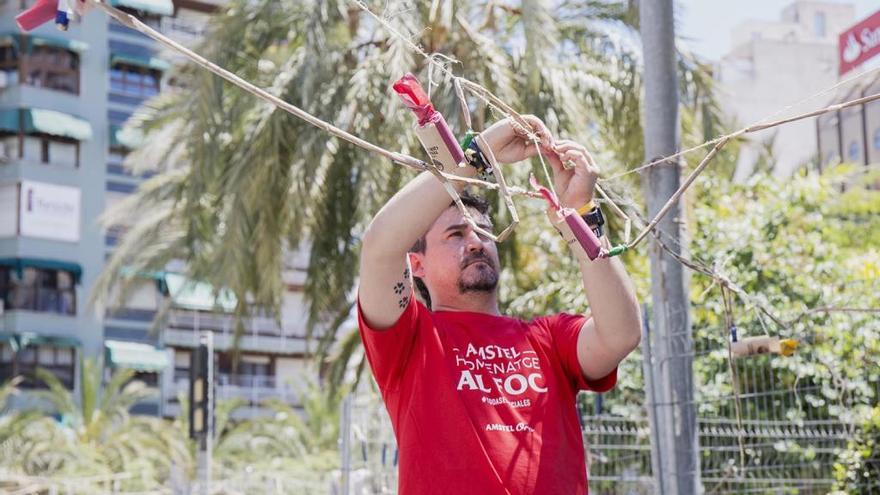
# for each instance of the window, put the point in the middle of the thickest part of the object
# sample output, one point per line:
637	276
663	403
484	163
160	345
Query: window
132	80
62	152
53	68
58	360
9	64
877	139
853	151
819	24
181	364
150	378
46	291
150	19
49	150
254	370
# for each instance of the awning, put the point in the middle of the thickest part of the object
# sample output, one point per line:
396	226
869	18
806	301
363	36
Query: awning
129	272
145	62
38	120
158	7
7	39
9	120
135	355
122	137
56	124
19	264
190	294
21	340
63	43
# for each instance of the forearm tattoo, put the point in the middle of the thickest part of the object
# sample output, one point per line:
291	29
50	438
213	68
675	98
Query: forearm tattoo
399	288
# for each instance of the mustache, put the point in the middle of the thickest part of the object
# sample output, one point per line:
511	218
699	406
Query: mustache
477	257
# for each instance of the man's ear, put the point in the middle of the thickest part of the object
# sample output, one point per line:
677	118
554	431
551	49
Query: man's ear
415	264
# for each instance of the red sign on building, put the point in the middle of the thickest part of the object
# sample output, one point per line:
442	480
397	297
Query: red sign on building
859	43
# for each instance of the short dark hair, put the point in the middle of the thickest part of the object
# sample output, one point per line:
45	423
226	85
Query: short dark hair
468	200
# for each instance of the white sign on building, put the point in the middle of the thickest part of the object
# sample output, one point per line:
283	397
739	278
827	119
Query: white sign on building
49	211
8	210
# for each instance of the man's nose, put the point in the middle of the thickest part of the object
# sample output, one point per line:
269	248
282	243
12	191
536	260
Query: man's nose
474	243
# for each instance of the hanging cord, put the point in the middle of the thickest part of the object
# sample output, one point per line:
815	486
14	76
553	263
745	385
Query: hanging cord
400	158
747	129
734	374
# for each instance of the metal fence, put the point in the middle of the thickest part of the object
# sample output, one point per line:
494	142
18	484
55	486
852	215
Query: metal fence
787	438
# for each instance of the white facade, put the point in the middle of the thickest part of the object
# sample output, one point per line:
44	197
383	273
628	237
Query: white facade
774	65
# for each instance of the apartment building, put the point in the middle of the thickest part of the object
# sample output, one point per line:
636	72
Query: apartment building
777	63
64	98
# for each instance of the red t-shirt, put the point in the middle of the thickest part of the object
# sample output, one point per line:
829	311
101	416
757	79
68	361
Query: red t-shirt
483	404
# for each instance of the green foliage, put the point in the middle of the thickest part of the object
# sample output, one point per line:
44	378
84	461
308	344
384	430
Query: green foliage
287	435
95	436
780	242
858	470
243	183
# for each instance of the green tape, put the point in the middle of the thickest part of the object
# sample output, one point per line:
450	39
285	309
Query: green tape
468	137
617	250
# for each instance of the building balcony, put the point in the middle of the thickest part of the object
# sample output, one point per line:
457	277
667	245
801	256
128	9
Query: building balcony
255	390
183	31
261	333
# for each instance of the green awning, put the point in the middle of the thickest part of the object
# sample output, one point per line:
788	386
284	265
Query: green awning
63	43
145	62
124	137
9	120
159	7
57	124
19	264
8	39
21	340
129	272
190	294
38	120
135	355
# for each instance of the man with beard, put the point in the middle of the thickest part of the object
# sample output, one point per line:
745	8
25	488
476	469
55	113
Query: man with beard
480	402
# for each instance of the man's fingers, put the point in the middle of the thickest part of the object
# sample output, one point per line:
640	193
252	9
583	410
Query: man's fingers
565	147
539	129
555	162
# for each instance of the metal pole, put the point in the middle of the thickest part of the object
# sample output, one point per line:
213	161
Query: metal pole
206	445
345	444
672	344
651	400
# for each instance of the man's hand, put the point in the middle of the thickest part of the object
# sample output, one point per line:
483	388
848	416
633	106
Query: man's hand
510	143
574	185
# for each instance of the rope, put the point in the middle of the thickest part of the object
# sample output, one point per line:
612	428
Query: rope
734	377
400	158
494	102
757	127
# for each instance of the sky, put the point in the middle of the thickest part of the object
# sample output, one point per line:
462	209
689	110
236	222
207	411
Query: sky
706	24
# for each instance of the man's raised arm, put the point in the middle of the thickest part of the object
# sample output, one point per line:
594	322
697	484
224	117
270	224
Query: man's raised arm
385	284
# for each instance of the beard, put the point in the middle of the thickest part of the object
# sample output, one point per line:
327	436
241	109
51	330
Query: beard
479	277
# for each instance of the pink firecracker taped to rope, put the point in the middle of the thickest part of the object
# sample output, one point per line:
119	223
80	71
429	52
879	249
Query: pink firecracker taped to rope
432	130
40	13
579	228
43	11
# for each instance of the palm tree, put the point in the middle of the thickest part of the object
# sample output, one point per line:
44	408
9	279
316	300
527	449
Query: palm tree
12	422
96	434
292	443
242	183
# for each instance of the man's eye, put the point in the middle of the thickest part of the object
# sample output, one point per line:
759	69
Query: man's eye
457	233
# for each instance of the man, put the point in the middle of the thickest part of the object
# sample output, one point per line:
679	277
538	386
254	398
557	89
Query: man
483	403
